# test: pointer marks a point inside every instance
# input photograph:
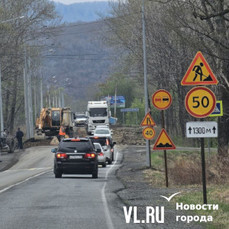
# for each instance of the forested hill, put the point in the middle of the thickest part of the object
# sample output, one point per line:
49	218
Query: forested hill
79	59
88	11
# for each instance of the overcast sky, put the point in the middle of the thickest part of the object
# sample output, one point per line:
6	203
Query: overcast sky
75	1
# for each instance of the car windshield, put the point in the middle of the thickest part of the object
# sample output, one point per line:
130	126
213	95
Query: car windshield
81	116
82	146
98	112
102	131
97	146
102	141
56	118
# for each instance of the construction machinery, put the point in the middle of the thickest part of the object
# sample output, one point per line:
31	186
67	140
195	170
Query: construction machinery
50	121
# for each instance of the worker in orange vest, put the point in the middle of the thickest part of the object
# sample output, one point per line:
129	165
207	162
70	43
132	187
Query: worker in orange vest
61	133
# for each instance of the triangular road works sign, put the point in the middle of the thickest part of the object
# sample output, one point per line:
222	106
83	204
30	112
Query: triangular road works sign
148	120
164	142
199	72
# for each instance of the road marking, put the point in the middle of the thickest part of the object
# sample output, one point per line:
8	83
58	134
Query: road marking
29	169
23	181
106	208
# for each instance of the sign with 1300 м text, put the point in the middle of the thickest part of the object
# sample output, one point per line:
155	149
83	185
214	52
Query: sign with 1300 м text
202	129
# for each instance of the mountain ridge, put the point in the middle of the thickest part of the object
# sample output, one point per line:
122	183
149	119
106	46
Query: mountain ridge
83	11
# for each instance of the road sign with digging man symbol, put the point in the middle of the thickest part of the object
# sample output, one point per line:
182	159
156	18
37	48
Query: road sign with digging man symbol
199	72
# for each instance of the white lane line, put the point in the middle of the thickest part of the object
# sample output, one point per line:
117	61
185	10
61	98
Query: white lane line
21	182
29	169
105	204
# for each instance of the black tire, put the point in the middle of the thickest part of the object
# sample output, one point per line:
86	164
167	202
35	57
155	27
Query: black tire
109	161
104	164
95	172
58	174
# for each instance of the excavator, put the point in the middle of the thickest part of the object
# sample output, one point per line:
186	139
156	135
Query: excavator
50	121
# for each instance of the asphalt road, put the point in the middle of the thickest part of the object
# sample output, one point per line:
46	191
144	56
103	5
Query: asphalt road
32	198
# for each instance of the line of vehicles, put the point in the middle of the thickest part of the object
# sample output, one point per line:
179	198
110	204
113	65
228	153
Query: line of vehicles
82	155
51	119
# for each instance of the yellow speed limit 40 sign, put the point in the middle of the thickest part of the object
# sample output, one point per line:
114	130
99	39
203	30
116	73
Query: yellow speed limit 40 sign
148	133
200	102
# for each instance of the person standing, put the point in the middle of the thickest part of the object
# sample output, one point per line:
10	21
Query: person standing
19	136
62	133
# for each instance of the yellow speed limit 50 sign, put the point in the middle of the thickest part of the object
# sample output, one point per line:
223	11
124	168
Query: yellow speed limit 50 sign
200	102
148	133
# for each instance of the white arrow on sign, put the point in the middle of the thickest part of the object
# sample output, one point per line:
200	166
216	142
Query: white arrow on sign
201	129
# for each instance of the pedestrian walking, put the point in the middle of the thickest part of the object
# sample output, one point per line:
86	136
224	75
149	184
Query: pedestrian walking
19	136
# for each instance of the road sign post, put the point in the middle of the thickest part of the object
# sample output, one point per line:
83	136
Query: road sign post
148	132
200	102
165	152
162	100
203	171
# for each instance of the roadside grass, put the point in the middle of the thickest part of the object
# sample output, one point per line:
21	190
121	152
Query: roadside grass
221	216
185	173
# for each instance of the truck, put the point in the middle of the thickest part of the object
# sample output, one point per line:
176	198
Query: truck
98	113
50	121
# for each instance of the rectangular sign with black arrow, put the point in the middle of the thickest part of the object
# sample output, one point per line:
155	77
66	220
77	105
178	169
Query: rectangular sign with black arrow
201	129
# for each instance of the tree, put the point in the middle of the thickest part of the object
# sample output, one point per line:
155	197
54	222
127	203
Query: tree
17	34
123	85
204	25
176	30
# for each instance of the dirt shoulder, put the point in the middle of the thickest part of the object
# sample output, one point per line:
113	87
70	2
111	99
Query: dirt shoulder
138	191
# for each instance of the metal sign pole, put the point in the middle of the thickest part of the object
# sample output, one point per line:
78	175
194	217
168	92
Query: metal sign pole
148	151
165	153
203	171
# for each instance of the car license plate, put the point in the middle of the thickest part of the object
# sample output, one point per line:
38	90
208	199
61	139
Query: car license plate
75	157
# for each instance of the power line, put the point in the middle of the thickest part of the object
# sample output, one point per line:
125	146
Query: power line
90	23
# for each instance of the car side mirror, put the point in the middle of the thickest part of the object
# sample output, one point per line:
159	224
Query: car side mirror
54	150
105	148
114	143
98	150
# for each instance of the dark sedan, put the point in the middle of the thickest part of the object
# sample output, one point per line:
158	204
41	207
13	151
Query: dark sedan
75	156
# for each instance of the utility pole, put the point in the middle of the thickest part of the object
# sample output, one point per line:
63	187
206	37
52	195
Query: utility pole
53	100
35	98
59	97
115	105
1	110
56	97
30	103
26	100
62	99
148	153
41	93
